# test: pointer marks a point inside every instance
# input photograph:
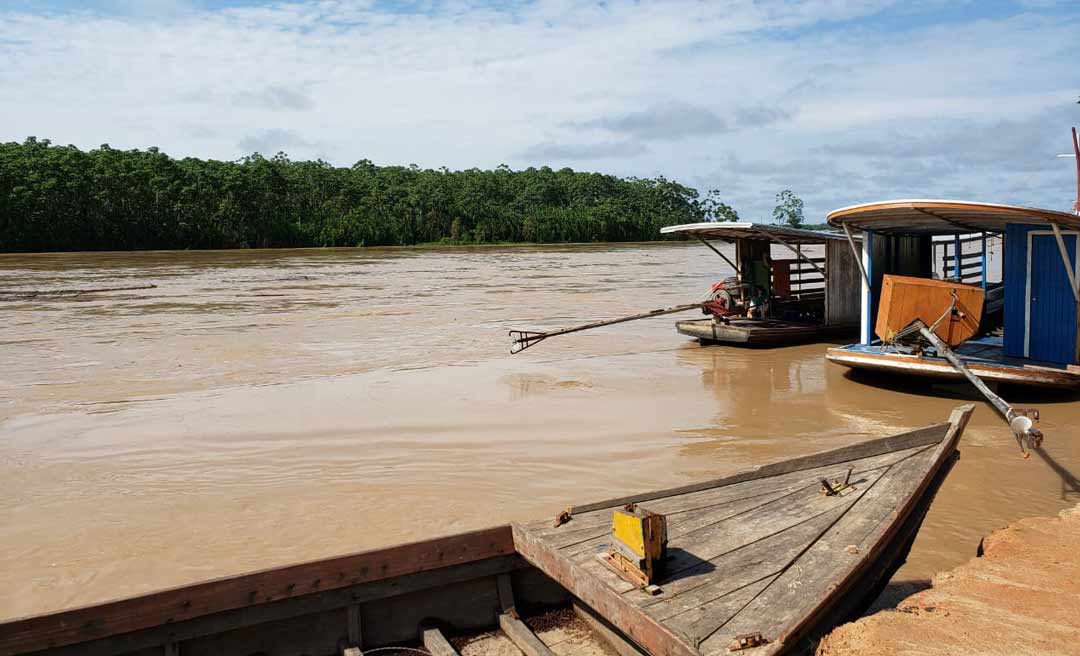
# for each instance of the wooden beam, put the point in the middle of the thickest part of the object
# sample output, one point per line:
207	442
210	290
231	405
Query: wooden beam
522	636
288	609
917	437
249	590
1065	260
798	253
717	251
506	592
436	643
608	633
355	636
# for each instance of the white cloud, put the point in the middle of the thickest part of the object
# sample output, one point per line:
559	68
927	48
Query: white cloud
745	96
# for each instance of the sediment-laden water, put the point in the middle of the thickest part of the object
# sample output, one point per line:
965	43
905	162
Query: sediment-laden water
263	407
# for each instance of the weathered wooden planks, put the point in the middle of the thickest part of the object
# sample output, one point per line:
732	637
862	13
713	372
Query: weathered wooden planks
259	588
740	548
919	437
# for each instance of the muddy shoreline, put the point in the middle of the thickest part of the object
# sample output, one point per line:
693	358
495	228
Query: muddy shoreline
1019	595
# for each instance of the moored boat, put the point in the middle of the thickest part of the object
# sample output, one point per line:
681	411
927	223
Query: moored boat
1037	342
774	301
762	560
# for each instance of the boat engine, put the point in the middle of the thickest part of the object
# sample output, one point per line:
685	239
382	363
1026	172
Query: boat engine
725	299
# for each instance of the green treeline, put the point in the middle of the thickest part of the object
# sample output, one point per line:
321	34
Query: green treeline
60	198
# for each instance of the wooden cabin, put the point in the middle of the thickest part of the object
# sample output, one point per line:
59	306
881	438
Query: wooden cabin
1035	339
809	294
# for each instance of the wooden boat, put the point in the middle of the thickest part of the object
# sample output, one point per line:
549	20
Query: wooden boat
773	301
762	553
1033	336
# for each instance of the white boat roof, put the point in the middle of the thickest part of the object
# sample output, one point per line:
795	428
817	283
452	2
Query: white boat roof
939	217
732	230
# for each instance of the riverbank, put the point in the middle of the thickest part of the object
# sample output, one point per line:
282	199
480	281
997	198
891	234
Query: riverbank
1021	595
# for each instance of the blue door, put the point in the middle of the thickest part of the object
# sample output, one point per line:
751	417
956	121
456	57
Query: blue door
1052	307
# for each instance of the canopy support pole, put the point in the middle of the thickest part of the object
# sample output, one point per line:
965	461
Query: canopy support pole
984	260
717	251
857	254
956	258
798	254
1065	260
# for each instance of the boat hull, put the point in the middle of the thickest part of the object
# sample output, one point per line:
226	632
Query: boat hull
759	332
940	369
842	550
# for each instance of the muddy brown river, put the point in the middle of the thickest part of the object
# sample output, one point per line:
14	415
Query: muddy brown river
264	407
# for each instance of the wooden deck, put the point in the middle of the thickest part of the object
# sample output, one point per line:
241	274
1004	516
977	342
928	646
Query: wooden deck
762	551
759	332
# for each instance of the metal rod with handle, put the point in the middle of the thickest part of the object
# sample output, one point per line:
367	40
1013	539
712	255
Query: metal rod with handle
523	339
1021	425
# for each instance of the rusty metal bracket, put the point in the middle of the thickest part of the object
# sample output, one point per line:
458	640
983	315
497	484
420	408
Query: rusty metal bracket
838	487
564	517
747	641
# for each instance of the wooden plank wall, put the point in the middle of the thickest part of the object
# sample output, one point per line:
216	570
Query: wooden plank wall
318	582
843	297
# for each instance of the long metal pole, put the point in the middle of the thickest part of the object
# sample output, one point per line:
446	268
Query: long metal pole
523	339
1006	410
1076	154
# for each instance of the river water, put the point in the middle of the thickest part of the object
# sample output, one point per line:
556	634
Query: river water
262	407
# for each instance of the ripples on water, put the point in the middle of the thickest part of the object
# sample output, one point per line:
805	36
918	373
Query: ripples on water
260	407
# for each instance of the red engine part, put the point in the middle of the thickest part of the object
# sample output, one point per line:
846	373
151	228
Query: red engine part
722	301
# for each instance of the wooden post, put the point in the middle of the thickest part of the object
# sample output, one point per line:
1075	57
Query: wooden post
984	267
436	643
355	636
506	592
522	636
956	258
798	272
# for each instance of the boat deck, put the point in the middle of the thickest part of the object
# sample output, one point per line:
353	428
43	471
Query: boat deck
758	332
985	356
761	552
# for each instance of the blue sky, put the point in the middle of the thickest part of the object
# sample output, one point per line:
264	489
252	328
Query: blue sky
842	101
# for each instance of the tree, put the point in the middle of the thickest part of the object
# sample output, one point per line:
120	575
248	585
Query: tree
788	210
60	198
717	210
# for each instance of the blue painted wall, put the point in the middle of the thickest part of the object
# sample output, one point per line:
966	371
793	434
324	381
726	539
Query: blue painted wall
1053	307
1014	276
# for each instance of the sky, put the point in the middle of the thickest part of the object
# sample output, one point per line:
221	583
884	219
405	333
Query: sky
841	101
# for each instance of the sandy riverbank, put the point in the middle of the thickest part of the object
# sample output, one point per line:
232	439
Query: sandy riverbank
1020	596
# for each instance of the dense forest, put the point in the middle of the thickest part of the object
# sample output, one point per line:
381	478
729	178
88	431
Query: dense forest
60	198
